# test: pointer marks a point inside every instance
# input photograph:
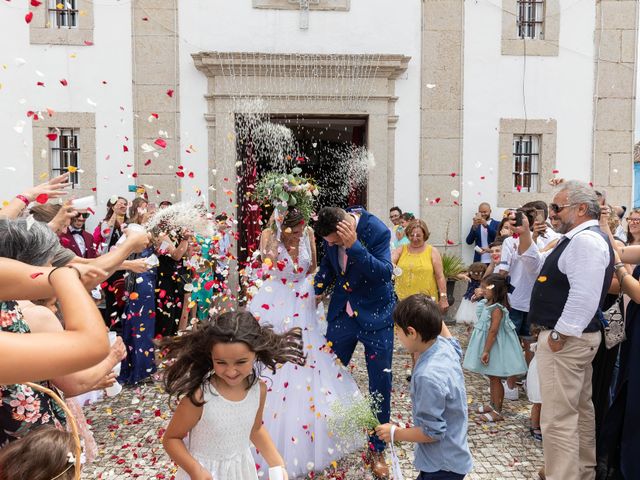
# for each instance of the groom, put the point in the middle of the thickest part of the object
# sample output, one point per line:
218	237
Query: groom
357	266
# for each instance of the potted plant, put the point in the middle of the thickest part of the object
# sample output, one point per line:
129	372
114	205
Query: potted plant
452	267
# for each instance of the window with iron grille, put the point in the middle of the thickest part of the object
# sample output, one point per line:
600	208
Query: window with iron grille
63	13
531	19
526	161
65	153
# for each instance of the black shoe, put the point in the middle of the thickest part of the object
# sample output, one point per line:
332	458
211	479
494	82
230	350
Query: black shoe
409	378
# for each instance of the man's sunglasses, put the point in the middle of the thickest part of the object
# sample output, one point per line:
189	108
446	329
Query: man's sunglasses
555	208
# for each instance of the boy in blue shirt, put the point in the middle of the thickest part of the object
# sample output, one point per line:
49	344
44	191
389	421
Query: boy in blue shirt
438	396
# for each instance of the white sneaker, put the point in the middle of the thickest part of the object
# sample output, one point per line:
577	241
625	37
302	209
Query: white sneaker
510	393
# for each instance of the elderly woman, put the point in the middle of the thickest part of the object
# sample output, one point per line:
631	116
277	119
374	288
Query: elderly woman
21	408
419	266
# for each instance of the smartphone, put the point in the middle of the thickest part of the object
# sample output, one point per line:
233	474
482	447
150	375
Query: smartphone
519	217
540	216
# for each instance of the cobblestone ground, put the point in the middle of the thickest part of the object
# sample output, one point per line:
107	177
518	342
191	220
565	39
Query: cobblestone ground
128	431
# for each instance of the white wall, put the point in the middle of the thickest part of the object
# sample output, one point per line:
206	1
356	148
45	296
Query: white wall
85	68
556	87
371	26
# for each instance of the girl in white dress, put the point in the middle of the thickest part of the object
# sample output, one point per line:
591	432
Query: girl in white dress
299	402
214	371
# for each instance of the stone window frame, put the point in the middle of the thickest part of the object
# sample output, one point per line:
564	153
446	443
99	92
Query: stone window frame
330	5
534	174
42	33
547	129
85	124
512	44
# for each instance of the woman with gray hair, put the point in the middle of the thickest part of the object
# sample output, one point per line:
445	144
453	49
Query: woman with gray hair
27	241
33	242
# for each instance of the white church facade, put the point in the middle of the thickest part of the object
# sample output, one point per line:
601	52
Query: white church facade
457	102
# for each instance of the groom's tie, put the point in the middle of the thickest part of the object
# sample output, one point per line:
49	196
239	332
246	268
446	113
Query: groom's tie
345	257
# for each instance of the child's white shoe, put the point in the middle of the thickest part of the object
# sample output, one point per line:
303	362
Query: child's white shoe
510	393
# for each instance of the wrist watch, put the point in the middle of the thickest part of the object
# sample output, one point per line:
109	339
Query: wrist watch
443	295
555	336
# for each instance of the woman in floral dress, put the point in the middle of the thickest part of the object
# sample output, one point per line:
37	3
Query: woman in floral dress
22	408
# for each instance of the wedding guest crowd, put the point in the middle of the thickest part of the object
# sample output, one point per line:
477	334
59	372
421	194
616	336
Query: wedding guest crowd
555	288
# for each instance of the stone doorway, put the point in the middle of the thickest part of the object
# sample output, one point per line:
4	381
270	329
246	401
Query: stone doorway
322	146
293	85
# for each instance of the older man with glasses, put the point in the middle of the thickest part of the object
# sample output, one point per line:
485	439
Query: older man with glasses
573	279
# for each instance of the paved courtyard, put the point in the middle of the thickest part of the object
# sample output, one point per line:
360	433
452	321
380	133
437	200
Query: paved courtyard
128	429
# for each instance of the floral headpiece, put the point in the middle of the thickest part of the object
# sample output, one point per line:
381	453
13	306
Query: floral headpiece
283	190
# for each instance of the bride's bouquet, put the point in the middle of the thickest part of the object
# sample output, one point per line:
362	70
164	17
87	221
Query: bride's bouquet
282	190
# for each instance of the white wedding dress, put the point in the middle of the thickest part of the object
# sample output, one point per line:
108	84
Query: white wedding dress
299	399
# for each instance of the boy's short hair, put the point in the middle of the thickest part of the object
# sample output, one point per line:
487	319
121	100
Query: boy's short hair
497	242
420	312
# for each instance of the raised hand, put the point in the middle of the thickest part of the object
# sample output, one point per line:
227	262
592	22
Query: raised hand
53	188
139	265
63	218
347	233
138	240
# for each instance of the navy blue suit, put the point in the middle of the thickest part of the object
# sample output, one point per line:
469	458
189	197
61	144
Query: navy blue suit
474	236
366	285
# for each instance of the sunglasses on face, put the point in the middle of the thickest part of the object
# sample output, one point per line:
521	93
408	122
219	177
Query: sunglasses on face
555	208
83	215
633	221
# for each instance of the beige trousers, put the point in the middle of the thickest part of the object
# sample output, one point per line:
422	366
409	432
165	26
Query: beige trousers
568	418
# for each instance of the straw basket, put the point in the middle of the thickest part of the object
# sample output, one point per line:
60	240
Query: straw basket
70	420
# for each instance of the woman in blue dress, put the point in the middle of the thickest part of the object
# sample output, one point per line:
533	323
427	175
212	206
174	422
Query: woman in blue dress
494	348
139	318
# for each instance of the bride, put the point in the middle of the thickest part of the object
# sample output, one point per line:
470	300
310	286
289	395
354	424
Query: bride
299	398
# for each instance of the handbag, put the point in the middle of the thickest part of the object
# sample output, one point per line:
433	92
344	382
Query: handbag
614	332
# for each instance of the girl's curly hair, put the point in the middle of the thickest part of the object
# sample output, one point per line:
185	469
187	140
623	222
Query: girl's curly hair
189	355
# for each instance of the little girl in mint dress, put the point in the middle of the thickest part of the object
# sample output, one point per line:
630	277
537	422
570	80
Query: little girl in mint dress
494	348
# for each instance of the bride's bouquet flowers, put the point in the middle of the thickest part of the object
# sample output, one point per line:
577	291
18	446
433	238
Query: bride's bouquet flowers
282	190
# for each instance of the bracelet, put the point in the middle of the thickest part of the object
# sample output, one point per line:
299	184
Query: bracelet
66	266
621	278
24	199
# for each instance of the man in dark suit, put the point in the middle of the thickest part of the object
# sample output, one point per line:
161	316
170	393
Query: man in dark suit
76	239
483	232
357	268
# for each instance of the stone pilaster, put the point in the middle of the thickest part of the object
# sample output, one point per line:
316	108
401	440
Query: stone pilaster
441	118
156	89
614	98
